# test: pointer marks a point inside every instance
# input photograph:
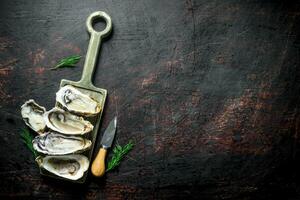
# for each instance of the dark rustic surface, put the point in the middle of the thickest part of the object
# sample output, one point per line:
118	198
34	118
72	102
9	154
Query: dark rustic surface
209	90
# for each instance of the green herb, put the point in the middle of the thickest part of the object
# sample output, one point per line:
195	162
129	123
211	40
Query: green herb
27	139
119	153
67	62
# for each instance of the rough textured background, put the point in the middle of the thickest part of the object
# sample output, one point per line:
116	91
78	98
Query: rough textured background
209	90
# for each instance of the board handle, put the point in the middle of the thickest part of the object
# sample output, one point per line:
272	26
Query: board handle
94	45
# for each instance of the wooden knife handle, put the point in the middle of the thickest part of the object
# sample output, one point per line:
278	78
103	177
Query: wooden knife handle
98	166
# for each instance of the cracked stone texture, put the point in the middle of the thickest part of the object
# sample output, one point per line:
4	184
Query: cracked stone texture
208	90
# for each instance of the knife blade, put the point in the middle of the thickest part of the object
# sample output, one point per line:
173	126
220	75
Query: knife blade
109	134
98	165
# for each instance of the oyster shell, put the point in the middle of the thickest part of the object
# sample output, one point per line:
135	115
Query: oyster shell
69	166
52	143
32	114
75	101
64	122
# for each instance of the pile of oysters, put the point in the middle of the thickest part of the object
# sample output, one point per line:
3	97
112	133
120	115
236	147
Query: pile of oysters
62	132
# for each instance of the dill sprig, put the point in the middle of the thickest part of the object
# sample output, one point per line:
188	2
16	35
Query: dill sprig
118	154
67	62
27	139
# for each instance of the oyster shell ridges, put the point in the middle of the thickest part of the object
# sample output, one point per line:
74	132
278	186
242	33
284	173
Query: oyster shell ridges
64	122
32	114
52	143
76	102
70	167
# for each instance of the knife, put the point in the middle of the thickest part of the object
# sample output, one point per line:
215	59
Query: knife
98	166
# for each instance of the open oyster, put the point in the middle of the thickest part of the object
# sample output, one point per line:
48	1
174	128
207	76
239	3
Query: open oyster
75	101
32	114
70	166
57	144
64	122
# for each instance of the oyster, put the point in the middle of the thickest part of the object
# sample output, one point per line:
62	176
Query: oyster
75	101
64	122
70	166
52	143
32	114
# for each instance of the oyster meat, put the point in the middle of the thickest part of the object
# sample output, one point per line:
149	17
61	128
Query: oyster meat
52	143
32	114
69	166
75	101
64	122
